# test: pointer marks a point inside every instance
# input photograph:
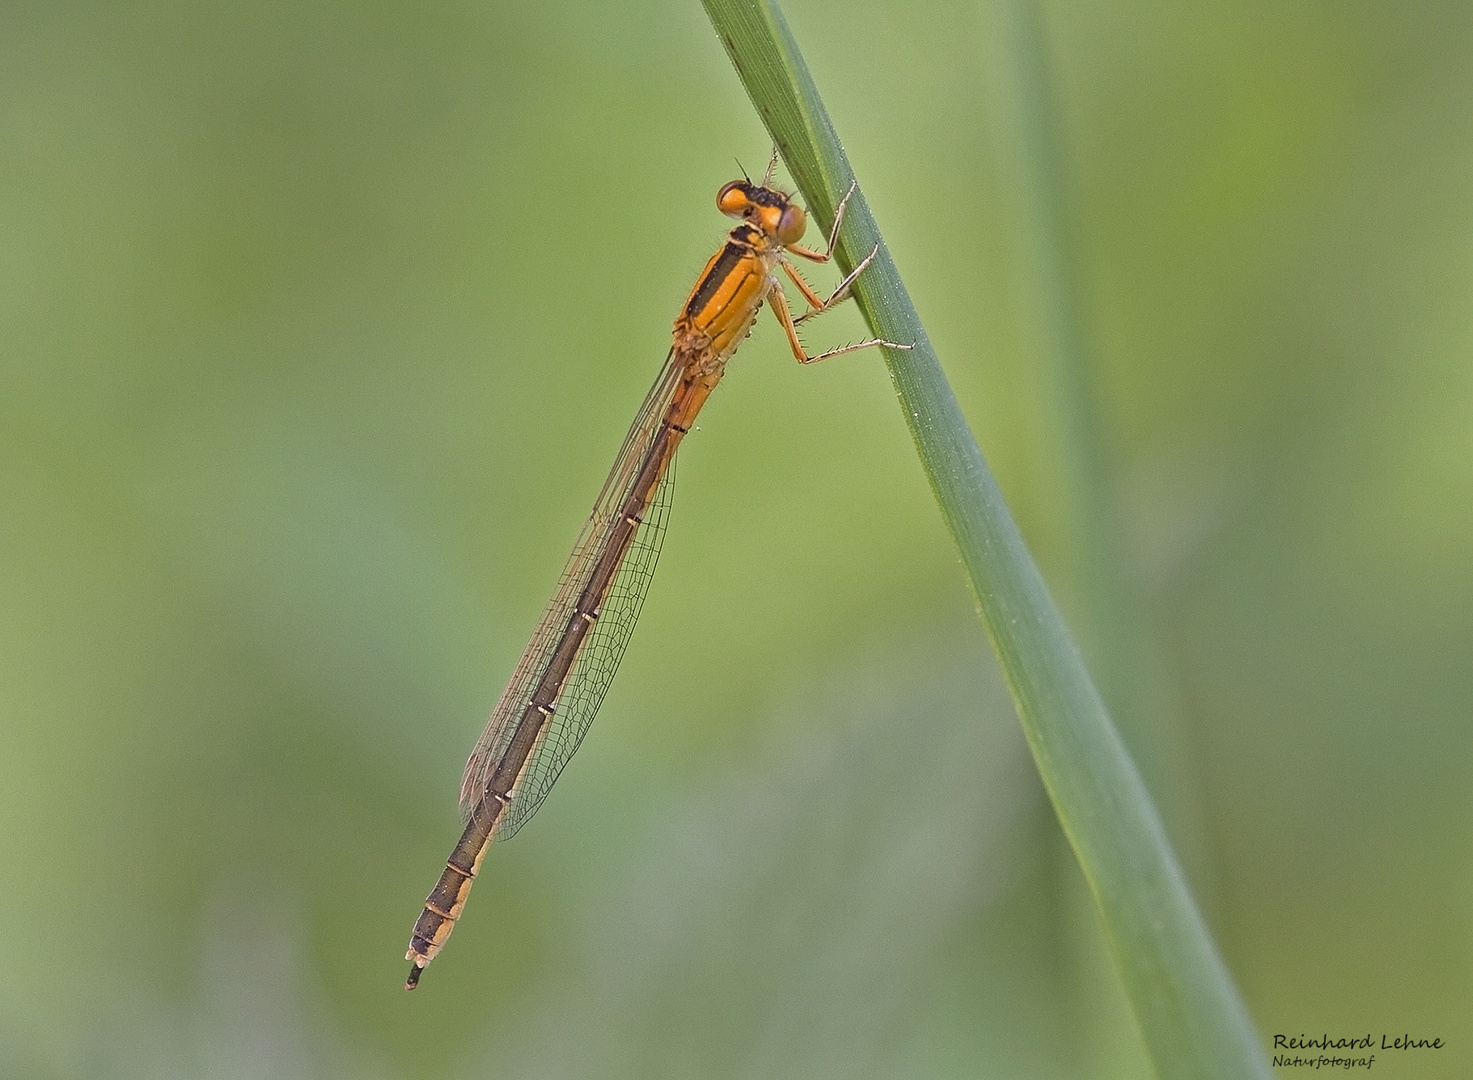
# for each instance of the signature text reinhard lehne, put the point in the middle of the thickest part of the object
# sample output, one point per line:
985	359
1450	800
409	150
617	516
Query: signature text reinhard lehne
1355	1042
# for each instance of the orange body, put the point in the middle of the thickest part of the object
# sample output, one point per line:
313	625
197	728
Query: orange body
551	698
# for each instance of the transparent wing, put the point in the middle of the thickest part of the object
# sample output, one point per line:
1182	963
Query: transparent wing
597	662
602	649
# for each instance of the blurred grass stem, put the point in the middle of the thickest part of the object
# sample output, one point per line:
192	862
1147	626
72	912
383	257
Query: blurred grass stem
1114	627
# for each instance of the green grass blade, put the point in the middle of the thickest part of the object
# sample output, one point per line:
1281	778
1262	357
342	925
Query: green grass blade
1191	1018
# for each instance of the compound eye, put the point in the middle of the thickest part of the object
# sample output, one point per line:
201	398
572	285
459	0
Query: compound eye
791	225
733	200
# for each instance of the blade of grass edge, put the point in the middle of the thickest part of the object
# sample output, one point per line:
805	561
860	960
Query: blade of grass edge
1192	1020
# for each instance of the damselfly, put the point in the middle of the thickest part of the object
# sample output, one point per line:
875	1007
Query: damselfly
561	678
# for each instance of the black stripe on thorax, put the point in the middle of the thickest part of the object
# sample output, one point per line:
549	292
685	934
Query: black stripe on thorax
741	244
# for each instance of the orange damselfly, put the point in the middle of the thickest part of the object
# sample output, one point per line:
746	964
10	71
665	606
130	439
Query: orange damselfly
559	682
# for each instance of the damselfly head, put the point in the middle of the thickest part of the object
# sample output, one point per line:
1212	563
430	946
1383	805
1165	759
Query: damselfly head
766	208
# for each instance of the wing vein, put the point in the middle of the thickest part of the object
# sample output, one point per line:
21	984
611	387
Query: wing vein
603	646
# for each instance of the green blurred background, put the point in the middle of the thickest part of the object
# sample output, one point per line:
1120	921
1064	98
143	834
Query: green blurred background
319	325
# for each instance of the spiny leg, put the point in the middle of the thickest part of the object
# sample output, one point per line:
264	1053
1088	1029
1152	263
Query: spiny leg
815	302
838	296
785	316
818	305
828	253
771	168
